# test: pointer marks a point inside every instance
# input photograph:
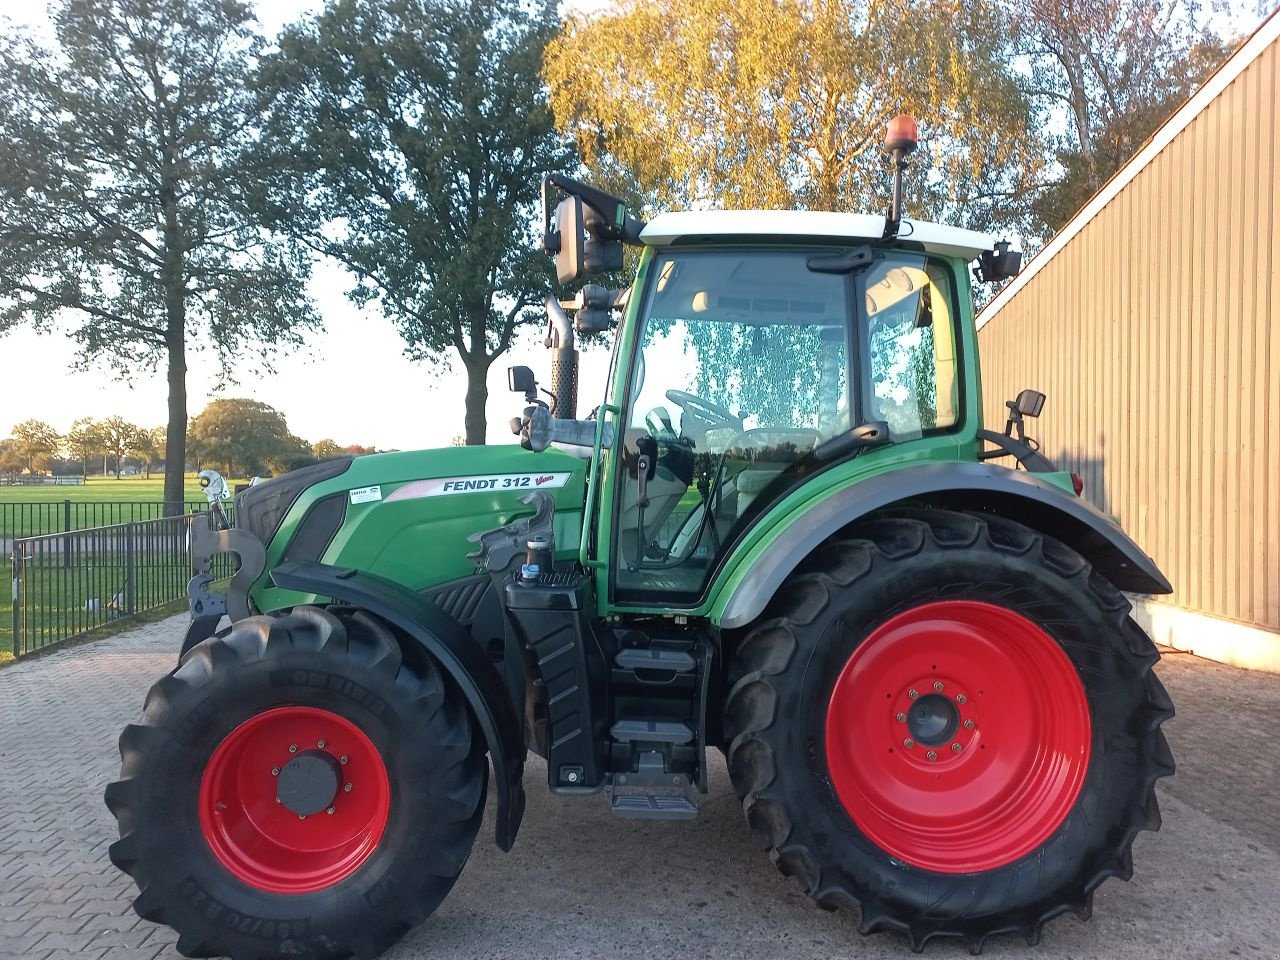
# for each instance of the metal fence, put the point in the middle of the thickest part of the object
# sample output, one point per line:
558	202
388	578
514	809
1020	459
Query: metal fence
36	518
66	584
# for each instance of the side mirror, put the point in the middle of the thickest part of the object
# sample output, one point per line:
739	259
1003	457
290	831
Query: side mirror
566	240
999	264
521	380
1029	403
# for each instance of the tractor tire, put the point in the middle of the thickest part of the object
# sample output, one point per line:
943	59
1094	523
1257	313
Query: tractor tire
949	722
298	788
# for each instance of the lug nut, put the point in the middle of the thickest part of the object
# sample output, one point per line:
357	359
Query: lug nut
937	686
278	800
961	698
346	788
343	758
901	718
302	816
932	755
908	743
956	748
329	811
275	771
912	693
968	724
320	744
293	748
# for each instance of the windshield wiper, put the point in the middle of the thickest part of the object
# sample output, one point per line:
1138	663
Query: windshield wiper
846	262
873	433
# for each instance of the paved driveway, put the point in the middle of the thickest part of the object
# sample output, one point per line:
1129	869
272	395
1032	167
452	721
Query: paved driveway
583	884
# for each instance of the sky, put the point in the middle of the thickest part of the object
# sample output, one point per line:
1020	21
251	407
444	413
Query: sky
351	383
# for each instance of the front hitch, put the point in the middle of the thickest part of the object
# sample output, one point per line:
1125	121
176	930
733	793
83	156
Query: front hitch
207	606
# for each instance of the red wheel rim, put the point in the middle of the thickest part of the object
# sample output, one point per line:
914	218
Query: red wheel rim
992	758
259	839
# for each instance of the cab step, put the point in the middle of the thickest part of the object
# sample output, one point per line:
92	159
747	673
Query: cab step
655	664
651	731
649	806
652	792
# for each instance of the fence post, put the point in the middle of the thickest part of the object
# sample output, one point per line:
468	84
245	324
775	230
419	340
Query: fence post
17	579
66	528
130	559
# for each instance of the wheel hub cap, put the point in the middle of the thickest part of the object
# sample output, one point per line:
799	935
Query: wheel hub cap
958	736
309	782
933	719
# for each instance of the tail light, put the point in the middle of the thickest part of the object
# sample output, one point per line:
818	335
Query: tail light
1077	482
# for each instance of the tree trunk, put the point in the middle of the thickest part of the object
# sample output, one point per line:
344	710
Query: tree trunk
175	447
477	396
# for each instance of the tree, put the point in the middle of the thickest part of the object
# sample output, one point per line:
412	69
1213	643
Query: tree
141	448
84	441
783	103
159	442
36	444
117	437
325	449
125	154
414	133
11	461
243	434
1116	69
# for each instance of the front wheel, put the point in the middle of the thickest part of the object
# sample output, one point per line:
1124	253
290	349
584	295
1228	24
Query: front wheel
297	788
950	723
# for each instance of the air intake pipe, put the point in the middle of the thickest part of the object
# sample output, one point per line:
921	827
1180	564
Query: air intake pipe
564	361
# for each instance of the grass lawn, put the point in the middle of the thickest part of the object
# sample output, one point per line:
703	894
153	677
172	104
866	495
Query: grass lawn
98	488
29	511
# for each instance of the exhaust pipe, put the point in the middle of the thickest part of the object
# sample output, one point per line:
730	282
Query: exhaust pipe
564	361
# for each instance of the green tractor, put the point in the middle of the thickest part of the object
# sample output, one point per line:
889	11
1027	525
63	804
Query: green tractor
781	535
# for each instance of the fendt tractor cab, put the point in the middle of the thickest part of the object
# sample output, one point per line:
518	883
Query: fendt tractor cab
783	536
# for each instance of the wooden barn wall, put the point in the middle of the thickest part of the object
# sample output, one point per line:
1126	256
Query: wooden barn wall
1154	334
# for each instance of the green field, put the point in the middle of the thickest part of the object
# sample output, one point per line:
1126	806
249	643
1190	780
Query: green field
30	511
98	488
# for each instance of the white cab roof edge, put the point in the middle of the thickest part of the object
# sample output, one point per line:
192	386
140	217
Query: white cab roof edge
936	237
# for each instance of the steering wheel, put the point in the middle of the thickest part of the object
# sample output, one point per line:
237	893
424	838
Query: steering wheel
703	411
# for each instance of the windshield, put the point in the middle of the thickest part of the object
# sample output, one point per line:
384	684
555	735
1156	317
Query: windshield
748	361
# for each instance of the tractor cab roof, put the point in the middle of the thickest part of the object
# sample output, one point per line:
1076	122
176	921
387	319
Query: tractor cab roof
692	226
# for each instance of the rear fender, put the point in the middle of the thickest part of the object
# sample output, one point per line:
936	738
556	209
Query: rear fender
1017	495
438	635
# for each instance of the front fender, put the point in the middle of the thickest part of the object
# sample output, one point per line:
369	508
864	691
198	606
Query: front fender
440	636
1017	495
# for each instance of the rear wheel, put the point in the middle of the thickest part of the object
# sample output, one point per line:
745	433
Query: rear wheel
297	788
951	723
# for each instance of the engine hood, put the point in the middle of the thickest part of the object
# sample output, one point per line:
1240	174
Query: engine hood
408	515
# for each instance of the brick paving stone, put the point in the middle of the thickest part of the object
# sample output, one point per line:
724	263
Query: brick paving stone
68	708
131	953
65	941
16	946
58	924
115	938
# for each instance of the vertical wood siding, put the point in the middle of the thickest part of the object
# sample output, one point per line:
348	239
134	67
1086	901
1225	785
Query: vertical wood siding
1155	333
